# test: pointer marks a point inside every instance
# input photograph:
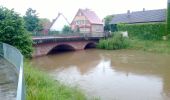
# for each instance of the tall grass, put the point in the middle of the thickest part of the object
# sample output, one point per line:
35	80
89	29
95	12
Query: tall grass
135	43
39	86
155	46
117	41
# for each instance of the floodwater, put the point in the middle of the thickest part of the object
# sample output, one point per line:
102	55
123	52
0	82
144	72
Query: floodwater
112	75
8	80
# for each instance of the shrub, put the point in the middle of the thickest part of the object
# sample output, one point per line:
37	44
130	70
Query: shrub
117	41
12	31
149	31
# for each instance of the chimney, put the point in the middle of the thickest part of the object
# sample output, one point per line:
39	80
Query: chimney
87	9
143	9
128	12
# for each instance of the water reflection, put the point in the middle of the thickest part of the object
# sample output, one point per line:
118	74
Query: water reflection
112	75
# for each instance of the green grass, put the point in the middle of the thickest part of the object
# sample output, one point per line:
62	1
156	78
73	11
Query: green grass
39	86
155	46
117	41
134	43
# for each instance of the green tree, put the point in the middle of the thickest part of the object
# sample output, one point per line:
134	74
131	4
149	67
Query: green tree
66	29
44	23
32	21
12	31
168	17
107	21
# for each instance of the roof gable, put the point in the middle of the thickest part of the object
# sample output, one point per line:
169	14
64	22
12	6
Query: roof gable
90	15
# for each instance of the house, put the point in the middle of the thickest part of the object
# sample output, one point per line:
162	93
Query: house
145	16
86	21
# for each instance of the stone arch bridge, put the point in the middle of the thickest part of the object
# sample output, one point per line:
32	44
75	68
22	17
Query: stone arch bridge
46	45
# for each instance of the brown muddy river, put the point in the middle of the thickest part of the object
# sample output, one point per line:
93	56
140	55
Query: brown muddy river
112	75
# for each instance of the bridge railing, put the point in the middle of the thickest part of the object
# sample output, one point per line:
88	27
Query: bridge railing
14	56
57	34
70	35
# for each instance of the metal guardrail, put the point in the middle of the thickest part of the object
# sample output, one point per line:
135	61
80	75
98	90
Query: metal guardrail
14	56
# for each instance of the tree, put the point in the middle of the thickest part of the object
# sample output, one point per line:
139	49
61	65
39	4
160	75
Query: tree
12	31
45	23
66	29
107	20
32	21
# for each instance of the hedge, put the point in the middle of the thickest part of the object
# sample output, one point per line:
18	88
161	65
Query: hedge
151	31
168	19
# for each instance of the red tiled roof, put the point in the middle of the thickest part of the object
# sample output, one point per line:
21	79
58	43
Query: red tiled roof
91	16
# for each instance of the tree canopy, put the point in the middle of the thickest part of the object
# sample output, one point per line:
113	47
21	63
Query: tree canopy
12	31
107	21
32	21
66	29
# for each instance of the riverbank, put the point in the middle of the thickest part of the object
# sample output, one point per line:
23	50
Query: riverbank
117	42
39	86
154	46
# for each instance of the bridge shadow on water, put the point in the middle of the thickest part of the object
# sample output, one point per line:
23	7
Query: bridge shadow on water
61	49
68	48
90	46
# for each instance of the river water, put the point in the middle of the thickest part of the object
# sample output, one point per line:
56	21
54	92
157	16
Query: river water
112	75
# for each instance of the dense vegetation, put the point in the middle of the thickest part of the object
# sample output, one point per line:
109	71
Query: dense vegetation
66	29
107	21
12	31
39	86
150	31
32	22
168	18
117	41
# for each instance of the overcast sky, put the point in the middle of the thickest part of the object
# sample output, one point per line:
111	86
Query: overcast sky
50	8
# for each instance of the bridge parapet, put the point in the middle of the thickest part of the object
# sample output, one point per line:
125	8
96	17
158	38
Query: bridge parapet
66	37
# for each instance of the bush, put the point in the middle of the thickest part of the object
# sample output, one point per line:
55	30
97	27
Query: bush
117	41
12	31
149	31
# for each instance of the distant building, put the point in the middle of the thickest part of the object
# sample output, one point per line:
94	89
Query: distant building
86	21
145	16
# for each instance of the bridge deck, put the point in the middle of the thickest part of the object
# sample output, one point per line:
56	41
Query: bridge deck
8	81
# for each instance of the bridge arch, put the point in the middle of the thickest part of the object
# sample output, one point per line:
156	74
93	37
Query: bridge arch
61	48
90	45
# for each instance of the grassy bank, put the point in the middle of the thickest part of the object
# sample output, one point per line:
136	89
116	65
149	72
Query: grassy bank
39	86
155	46
118	42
